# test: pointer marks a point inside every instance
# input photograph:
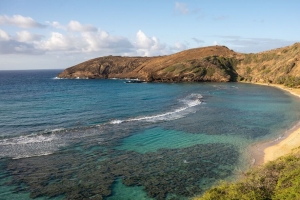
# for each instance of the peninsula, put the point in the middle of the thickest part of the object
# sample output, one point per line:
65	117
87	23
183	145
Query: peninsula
211	64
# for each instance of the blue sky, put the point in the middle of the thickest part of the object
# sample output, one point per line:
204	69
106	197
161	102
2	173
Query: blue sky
55	34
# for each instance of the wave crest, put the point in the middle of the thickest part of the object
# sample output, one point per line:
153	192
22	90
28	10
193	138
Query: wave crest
51	140
188	102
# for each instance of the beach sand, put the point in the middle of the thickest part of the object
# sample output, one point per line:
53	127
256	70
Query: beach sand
271	150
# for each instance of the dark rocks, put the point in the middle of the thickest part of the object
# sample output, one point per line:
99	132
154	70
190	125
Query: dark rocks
162	173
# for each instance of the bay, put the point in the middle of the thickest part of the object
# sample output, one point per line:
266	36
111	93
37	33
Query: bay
76	139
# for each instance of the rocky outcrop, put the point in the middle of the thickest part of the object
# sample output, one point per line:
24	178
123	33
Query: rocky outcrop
214	63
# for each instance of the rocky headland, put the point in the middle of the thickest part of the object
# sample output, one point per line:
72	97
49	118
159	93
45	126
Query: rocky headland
213	63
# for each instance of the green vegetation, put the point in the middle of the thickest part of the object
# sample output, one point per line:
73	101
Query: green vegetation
210	71
200	71
289	81
208	68
279	179
268	56
248	70
266	71
176	67
224	66
264	57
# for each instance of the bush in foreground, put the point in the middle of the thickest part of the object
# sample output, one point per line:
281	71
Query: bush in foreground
279	179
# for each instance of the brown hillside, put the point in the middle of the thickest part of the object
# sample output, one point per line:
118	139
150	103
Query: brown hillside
200	64
213	63
280	66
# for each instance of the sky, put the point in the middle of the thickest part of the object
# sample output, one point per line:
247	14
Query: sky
56	34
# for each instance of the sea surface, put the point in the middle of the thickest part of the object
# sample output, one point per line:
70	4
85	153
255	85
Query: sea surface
107	139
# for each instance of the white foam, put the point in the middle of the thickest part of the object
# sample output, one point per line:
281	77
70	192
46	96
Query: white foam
51	140
30	145
116	121
28	139
81	77
32	155
188	102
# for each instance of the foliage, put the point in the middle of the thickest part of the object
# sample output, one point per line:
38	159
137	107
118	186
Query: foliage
248	70
288	81
200	71
176	67
210	71
207	68
279	179
248	58
264	57
266	71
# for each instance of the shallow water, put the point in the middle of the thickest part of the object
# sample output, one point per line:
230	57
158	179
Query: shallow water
79	139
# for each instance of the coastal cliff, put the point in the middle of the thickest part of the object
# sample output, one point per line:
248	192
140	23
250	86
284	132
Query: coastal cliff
213	63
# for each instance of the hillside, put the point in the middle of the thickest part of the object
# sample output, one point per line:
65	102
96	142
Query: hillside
213	63
279	66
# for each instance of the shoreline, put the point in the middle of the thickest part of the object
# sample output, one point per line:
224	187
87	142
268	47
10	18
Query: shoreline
266	151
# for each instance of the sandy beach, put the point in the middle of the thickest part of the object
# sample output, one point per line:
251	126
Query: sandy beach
271	150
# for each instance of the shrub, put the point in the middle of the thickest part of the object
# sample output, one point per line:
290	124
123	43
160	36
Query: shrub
279	179
210	71
248	70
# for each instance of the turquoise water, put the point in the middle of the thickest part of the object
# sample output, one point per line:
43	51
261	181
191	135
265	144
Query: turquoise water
154	139
76	139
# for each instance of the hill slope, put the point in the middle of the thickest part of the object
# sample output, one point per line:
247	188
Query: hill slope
202	64
214	63
281	66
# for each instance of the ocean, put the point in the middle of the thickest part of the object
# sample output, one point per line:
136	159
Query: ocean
107	139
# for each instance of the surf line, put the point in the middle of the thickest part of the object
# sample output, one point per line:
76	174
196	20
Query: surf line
190	101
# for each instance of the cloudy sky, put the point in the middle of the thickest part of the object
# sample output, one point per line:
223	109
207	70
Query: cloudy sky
56	34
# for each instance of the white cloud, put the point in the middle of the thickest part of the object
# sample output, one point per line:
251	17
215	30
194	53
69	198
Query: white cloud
84	39
4	36
10	45
57	42
73	26
179	46
14	47
181	8
104	42
56	25
20	21
215	43
149	46
26	36
77	27
86	42
142	41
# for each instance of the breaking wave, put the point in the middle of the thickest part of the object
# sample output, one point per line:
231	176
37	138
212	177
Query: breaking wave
30	145
51	140
188	102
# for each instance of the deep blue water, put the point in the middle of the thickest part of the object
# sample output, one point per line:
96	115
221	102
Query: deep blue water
77	139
